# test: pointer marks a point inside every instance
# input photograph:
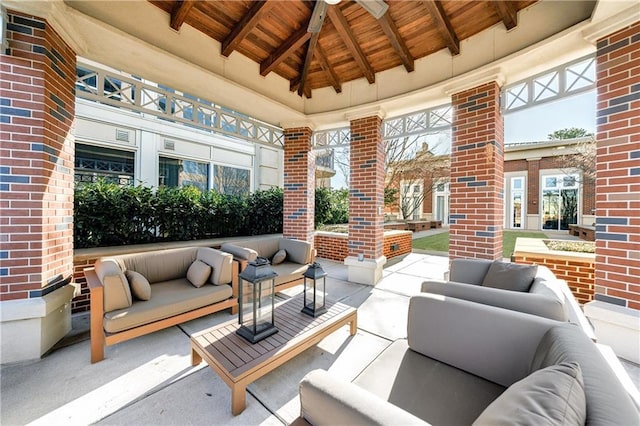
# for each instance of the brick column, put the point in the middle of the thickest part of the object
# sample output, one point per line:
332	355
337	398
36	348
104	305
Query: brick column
615	311
477	174
299	184
37	105
366	201
533	187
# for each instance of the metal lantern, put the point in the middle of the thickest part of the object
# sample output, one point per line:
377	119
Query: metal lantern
314	290
257	298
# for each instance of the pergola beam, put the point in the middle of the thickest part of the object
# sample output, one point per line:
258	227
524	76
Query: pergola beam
398	44
243	27
507	13
328	69
304	73
443	24
342	26
295	83
179	13
284	51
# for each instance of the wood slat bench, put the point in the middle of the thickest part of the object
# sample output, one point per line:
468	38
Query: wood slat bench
240	363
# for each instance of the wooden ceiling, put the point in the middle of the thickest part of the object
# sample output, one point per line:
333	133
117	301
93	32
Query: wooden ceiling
351	44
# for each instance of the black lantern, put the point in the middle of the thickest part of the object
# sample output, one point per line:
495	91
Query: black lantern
314	290
257	295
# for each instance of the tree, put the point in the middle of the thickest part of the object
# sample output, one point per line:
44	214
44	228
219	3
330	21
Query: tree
582	159
569	133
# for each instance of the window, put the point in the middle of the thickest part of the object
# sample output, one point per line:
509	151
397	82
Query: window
231	180
113	165
174	172
516	216
559	201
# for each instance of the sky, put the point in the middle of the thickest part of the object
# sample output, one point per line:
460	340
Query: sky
536	123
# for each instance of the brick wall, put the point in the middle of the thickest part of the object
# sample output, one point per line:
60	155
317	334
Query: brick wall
477	174
81	303
299	184
618	168
579	274
37	105
334	246
366	188
533	187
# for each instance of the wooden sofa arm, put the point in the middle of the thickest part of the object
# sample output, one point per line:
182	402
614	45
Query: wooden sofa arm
96	304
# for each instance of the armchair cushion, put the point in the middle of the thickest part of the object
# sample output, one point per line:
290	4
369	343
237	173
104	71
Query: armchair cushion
510	276
117	294
554	395
140	287
239	252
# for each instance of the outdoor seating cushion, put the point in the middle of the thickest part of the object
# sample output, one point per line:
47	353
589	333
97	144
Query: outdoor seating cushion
427	388
140	287
169	298
279	257
286	270
551	396
117	293
510	276
159	266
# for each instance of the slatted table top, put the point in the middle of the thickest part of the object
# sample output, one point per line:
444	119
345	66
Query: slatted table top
237	360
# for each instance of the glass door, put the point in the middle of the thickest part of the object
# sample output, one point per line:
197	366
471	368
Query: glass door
516	204
559	202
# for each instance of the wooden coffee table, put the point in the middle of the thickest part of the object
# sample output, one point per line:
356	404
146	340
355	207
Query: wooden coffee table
239	363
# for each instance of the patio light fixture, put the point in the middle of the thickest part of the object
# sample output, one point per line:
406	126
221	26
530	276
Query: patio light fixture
314	290
256	315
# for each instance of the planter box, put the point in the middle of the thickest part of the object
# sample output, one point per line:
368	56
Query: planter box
577	269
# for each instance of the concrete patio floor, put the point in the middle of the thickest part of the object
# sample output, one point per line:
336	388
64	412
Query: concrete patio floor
149	380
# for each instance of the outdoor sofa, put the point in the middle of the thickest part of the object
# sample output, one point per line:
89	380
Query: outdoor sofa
532	289
289	257
136	294
469	363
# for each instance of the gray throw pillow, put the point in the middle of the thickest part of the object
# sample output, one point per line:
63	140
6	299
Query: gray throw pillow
510	276
279	257
198	273
551	396
140	287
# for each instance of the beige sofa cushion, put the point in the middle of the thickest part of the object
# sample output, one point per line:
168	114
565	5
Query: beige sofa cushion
117	294
198	273
220	262
298	251
140	287
161	265
239	252
551	396
169	298
279	257
288	271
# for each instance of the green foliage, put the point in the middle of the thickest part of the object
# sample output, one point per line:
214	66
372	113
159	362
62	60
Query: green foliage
331	206
569	133
106	214
390	196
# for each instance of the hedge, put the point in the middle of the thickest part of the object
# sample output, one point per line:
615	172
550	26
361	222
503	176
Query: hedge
107	214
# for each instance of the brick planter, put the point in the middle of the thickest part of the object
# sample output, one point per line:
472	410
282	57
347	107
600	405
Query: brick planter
333	245
577	269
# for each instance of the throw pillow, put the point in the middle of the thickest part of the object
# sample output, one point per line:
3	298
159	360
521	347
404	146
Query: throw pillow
140	287
510	276
198	273
117	294
553	396
279	257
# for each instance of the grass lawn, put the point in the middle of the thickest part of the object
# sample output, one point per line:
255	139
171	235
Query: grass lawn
440	242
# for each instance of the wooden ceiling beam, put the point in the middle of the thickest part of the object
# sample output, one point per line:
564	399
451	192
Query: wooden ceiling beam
304	73
179	13
295	83
435	9
244	27
328	69
342	26
391	31
294	42
507	12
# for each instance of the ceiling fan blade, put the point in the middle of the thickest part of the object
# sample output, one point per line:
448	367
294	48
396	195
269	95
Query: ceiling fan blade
317	17
375	7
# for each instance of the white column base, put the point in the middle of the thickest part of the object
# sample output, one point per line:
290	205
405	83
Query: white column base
616	326
365	271
30	327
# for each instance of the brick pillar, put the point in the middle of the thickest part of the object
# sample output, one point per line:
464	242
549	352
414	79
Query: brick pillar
533	188
615	311
366	201
37	105
477	174
299	184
